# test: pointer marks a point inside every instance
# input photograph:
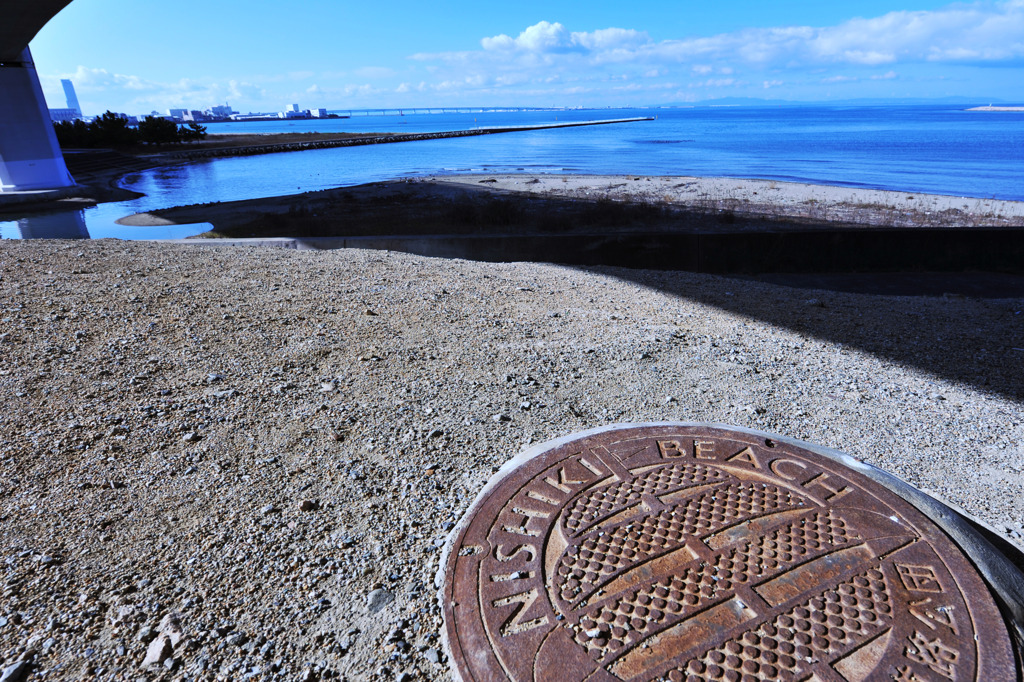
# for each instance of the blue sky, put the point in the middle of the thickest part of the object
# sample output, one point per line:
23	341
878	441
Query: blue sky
260	56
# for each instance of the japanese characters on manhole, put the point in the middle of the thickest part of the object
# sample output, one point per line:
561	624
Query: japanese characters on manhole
704	553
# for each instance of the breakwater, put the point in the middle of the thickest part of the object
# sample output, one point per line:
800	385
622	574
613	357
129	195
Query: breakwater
251	150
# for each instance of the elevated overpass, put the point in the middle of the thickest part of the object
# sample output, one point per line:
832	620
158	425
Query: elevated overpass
30	158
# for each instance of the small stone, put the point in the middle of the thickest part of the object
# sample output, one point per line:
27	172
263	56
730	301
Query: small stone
269	509
170	626
501	418
403	677
436	433
170	663
432	655
308	506
191	437
237	639
17	672
213	378
159	650
378	599
122	615
670	399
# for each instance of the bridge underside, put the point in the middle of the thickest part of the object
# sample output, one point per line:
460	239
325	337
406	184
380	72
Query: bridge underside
30	158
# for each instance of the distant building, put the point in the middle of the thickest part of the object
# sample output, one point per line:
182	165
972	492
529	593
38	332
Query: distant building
194	116
57	115
252	117
178	114
70	96
222	111
318	113
294	108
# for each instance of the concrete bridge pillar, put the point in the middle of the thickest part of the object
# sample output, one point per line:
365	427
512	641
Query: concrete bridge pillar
30	158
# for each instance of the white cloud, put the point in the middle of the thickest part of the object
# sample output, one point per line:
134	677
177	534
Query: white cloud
714	83
98	90
984	32
545	36
541	37
611	39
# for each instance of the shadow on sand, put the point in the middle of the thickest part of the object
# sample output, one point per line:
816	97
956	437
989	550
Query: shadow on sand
973	341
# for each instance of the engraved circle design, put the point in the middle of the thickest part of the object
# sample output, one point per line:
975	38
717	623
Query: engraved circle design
666	552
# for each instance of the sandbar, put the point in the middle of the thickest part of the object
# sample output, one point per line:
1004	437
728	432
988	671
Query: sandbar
412	205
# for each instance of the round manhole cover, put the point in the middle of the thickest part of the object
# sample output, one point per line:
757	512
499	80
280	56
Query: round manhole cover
704	553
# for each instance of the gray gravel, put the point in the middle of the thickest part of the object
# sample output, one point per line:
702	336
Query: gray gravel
241	463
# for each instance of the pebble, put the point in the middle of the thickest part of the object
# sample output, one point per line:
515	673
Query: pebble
237	639
378	599
17	672
158	650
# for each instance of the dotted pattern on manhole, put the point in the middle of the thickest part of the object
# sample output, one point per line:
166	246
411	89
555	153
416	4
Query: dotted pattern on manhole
704	553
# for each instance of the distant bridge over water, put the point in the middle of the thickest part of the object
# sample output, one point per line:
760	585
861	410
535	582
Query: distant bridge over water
435	110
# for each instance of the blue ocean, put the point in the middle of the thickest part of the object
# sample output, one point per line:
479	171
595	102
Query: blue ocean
921	149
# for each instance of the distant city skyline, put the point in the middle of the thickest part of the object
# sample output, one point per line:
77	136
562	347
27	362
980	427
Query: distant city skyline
263	56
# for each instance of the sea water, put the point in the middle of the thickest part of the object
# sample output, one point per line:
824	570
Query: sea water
921	149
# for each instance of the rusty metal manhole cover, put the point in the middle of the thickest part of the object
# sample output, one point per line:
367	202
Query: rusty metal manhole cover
704	553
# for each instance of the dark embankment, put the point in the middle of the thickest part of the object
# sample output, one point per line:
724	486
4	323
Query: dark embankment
462	221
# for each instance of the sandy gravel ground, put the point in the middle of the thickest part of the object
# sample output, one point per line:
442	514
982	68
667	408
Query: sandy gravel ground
240	464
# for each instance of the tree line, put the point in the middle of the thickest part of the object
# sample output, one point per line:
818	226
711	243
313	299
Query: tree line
111	130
